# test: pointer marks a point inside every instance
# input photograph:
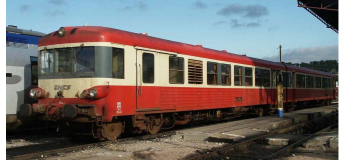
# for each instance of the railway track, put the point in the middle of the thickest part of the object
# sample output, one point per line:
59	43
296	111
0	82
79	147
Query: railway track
240	148
66	146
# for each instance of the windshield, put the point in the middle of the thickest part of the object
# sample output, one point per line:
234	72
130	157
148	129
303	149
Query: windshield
61	60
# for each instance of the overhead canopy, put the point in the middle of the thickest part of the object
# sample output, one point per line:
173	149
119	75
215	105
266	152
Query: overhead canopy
324	10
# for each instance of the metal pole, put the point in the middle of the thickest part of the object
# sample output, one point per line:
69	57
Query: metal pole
280	89
280	53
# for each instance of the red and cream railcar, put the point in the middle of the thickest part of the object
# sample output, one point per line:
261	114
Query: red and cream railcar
107	81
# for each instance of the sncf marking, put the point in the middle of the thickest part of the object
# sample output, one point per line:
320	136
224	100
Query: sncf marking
62	87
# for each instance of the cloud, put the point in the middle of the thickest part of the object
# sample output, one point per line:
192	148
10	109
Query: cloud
54	13
307	55
272	29
58	2
199	5
219	22
250	11
138	5
253	24
24	8
235	23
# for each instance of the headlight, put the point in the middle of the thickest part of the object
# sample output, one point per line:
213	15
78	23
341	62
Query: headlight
38	93
32	93
85	94
61	31
93	93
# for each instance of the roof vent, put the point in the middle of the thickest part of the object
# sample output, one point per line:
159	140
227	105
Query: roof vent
199	45
224	50
243	55
144	34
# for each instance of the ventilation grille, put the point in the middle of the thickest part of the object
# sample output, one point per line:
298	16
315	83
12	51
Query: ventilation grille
195	71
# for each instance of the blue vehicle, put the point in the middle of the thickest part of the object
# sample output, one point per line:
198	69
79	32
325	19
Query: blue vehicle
21	70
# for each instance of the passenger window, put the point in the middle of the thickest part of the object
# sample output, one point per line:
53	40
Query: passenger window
248	76
238	75
148	68
300	81
195	71
225	74
118	63
258	77
176	70
34	69
287	79
212	73
266	78
262	77
309	81
318	83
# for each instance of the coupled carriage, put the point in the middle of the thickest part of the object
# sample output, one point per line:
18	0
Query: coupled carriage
102	82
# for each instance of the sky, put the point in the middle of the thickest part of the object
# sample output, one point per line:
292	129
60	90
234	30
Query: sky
253	27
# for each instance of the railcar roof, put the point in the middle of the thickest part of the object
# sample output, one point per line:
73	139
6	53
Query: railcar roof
104	34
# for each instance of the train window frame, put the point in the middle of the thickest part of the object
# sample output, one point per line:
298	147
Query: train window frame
287	76
123	69
143	68
262	77
34	62
318	82
42	59
239	76
177	70
297	80
214	73
228	75
268	76
195	71
245	76
310	84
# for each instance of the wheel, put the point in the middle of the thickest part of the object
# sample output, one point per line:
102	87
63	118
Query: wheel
111	131
154	126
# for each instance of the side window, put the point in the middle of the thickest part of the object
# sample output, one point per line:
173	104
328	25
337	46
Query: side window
258	77
147	68
226	74
248	76
262	77
34	70
176	70
238	75
212	73
118	63
318	82
266	78
324	83
287	79
300	81
195	71
309	81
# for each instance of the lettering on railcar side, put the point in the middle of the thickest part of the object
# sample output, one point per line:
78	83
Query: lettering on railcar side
62	87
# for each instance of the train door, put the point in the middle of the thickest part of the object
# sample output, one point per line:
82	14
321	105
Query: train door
147	83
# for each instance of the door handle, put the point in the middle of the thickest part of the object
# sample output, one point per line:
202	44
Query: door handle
140	79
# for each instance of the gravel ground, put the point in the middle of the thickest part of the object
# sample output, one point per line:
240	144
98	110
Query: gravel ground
163	148
12	143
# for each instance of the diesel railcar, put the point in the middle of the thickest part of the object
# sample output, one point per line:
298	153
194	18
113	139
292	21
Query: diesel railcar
21	70
103	82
